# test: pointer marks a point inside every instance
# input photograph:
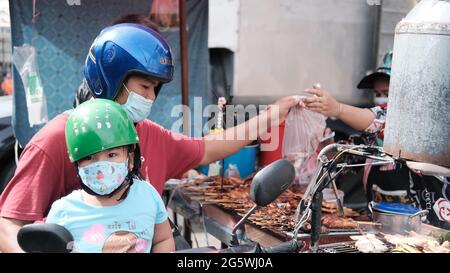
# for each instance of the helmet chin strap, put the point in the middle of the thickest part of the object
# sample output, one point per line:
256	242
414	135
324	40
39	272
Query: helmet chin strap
127	182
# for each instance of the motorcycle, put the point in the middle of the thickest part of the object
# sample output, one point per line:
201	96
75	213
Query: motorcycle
331	162
267	185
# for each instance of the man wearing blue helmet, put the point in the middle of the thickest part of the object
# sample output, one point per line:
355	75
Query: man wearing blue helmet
117	59
127	63
83	92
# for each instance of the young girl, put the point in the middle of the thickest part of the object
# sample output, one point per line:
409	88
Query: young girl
114	211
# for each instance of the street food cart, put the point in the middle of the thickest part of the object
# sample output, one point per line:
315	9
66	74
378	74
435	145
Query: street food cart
222	202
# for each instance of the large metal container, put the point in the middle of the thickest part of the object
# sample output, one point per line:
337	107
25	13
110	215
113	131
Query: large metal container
418	118
285	46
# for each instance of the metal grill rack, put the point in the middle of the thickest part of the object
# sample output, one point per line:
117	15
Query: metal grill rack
344	247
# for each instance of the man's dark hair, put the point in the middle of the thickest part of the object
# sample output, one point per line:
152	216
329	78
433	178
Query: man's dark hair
136	19
83	94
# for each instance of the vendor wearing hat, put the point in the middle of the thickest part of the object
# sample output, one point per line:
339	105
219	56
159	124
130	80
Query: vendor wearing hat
378	81
390	183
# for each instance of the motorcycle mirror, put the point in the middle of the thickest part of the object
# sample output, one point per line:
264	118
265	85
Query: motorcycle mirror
271	182
45	238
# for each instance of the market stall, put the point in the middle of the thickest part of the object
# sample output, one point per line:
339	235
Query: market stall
222	202
220	214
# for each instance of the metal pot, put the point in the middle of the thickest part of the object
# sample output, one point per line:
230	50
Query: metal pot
397	223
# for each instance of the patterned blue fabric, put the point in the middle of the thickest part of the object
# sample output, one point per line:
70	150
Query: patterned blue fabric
63	34
103	177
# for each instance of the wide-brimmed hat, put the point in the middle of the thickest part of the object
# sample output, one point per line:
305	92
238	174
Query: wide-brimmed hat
384	71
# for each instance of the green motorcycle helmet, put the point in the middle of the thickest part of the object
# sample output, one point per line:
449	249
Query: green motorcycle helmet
97	125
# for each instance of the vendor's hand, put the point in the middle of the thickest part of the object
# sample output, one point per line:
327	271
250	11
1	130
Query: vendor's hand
322	102
286	103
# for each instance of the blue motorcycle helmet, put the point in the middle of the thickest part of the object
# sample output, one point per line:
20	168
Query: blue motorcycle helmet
122	50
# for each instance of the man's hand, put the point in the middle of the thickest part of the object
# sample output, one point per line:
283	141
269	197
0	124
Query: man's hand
286	103
218	146
322	102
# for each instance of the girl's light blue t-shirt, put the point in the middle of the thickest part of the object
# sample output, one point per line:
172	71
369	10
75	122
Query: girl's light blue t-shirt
125	227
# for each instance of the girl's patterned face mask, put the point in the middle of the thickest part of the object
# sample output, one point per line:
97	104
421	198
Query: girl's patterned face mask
103	177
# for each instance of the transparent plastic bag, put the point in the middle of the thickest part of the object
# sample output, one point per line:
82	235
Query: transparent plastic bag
214	168
25	60
232	171
302	134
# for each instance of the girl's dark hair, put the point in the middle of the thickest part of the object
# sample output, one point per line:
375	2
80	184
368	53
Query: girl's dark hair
83	94
137	161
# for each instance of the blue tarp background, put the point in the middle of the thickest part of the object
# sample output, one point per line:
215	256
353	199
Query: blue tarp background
63	34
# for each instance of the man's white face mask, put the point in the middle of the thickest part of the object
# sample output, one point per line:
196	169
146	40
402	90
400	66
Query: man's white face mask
137	107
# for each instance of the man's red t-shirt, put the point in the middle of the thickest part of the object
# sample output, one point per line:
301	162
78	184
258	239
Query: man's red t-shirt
45	173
